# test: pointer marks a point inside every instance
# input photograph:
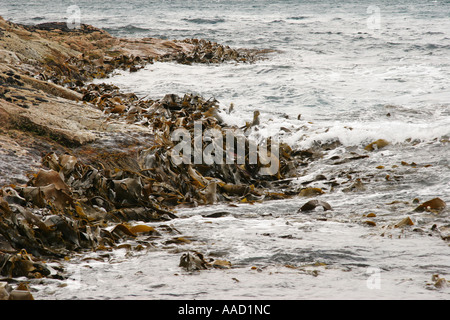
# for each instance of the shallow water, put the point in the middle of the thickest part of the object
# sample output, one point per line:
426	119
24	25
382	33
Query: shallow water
353	81
276	254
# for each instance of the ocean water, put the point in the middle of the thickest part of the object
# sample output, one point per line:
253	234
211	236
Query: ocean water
356	72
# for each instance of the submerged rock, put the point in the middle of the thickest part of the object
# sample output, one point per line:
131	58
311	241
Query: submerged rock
221	264
309	192
22	292
312	204
22	264
439	282
404	222
5	290
20	295
193	261
435	205
376	145
92	158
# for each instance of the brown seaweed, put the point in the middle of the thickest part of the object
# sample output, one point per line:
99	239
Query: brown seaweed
83	197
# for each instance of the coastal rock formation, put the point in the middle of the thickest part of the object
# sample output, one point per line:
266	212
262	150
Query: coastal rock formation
79	161
43	70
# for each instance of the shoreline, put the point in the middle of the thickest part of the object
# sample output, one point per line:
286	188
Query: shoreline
84	166
39	74
77	158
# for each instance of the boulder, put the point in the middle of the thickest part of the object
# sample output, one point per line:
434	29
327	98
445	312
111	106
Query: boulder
435	205
312	204
376	145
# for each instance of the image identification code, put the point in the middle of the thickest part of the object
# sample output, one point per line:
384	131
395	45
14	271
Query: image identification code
239	309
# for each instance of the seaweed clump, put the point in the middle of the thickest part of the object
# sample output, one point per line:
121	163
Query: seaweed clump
70	206
87	198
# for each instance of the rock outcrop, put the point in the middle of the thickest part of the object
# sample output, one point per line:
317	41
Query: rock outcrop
78	161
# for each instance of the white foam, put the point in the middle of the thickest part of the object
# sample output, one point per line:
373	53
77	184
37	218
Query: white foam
352	124
358	133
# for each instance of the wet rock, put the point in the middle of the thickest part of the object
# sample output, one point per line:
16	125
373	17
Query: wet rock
5	290
404	222
221	264
439	282
435	205
309	192
63	60
193	261
204	51
376	145
444	232
58	121
217	214
178	240
210	193
20	295
22	264
357	186
312	204
98	167
22	292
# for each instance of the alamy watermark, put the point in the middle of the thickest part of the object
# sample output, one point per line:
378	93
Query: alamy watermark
374	279
374	20
235	149
74	17
91	275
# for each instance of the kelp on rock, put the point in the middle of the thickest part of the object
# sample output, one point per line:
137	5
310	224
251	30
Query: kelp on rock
68	205
87	196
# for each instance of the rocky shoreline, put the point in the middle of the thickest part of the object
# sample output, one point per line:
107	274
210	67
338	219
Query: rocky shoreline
78	158
84	166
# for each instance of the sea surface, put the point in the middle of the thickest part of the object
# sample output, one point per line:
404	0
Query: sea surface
343	74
